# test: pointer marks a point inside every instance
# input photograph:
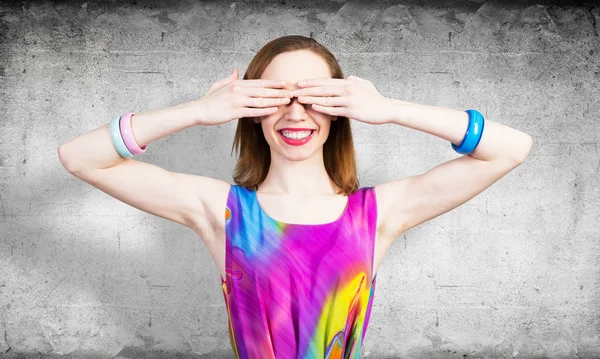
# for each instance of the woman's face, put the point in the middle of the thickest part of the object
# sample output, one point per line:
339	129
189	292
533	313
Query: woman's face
293	67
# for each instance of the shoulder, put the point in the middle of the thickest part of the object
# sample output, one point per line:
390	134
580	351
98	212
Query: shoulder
366	197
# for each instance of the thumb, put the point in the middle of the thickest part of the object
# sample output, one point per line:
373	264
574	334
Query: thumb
220	83
234	75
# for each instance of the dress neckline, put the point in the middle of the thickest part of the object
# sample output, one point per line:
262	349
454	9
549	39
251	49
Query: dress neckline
340	217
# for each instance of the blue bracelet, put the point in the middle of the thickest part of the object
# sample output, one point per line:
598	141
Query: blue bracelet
115	134
473	135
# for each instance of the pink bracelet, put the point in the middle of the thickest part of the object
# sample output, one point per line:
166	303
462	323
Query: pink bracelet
127	134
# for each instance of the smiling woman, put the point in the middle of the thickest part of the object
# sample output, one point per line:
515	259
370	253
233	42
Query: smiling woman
300	285
262	150
296	240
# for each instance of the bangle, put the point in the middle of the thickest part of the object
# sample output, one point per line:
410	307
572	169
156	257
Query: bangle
473	134
115	135
127	135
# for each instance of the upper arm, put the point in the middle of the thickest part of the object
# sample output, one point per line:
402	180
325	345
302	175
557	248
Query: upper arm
410	201
191	200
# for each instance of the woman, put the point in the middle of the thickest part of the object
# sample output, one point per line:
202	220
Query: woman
296	240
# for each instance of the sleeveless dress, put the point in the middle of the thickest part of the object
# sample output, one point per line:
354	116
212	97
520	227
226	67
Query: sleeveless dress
298	290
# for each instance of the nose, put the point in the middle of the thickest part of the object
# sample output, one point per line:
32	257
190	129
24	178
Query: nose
295	109
295	105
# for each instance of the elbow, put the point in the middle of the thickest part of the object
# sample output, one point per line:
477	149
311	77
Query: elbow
61	157
64	159
525	148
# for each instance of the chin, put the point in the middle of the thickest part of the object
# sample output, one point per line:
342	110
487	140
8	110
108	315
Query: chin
298	158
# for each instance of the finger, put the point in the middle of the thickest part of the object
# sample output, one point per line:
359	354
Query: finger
255	112
324	101
352	77
261	83
232	76
220	83
263	102
327	90
334	111
321	82
266	92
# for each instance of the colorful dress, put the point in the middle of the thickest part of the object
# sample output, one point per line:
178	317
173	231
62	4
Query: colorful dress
298	290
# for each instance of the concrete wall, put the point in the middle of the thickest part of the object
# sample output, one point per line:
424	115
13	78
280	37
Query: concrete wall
515	272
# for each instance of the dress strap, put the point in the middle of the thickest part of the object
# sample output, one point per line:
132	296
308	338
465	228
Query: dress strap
231	215
369	217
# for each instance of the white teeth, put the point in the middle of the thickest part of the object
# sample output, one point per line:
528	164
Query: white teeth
296	134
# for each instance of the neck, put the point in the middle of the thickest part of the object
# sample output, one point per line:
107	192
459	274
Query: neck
302	177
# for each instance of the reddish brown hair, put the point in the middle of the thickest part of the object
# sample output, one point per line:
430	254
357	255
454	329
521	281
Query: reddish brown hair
254	156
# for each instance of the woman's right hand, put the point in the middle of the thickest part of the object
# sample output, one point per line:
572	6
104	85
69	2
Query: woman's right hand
231	99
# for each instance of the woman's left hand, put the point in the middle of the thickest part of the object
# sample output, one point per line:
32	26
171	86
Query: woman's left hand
353	97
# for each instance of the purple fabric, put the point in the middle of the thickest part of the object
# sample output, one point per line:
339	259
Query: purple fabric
298	290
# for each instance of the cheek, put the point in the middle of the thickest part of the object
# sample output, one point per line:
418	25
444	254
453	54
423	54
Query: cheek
268	130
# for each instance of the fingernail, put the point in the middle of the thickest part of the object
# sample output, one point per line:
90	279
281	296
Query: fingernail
302	83
282	82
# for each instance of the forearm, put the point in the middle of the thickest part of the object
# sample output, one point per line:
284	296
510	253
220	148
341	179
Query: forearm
95	149
497	142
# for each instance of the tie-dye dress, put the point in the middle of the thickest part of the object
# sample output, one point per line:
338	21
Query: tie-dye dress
298	290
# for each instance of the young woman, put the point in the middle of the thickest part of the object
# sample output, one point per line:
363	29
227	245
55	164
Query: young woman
296	240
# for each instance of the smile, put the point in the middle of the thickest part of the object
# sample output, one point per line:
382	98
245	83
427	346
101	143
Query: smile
296	138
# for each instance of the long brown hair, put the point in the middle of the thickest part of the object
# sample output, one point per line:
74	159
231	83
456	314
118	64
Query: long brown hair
254	156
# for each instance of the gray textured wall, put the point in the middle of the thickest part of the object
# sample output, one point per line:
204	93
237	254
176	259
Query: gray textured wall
512	273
